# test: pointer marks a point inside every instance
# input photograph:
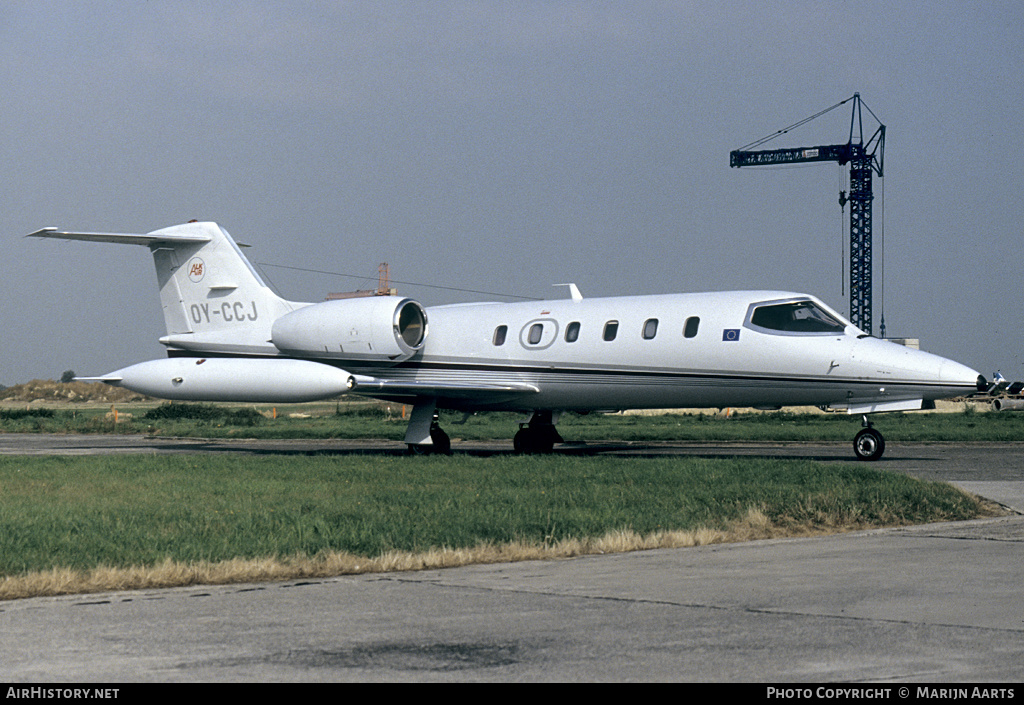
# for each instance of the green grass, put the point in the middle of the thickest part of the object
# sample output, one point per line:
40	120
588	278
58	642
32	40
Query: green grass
370	420
82	512
173	513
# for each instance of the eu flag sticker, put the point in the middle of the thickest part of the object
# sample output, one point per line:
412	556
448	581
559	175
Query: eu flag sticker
731	334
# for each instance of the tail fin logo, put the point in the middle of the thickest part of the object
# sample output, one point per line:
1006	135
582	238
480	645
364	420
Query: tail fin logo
196	269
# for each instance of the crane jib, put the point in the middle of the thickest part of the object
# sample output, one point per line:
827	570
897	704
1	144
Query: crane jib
841	153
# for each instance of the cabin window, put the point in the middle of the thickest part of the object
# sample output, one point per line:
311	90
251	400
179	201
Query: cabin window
650	328
690	329
611	329
796	317
572	332
536	333
499	335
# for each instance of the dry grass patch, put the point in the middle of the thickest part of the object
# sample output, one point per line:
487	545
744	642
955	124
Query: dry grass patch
755	525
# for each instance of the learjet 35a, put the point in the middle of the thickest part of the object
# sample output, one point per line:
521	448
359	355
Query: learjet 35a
231	338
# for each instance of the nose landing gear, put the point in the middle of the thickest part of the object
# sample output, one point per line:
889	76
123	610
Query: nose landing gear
868	444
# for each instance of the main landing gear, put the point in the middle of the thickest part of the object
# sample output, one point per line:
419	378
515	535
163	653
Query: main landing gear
440	443
868	444
424	435
538	435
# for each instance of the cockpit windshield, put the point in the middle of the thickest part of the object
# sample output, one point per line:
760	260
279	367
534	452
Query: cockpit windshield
796	317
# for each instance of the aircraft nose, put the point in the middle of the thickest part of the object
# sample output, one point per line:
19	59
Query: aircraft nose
937	377
954	374
952	371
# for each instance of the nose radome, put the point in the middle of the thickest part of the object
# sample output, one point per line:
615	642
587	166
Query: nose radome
953	372
946	378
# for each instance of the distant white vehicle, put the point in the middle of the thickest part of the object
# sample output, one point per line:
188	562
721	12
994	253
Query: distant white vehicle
231	338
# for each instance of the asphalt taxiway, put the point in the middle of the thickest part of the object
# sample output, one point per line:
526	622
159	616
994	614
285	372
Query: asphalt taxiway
930	604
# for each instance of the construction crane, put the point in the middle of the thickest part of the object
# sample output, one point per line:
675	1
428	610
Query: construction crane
865	159
383	287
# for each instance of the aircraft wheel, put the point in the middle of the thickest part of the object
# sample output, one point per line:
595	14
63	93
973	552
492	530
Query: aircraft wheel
532	440
442	443
543	444
521	441
868	444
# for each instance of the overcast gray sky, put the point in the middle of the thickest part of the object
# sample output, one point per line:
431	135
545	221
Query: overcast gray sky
506	147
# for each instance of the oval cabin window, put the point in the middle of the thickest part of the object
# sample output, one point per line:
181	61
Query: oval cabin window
536	333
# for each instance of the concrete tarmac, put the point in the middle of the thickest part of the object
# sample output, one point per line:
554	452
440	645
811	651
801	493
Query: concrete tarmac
934	604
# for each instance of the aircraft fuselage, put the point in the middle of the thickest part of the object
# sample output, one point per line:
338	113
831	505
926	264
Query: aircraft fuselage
669	351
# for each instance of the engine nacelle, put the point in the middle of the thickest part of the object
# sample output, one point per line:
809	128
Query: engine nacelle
377	328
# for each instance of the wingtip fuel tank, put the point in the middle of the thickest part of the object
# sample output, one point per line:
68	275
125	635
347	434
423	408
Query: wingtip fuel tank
278	381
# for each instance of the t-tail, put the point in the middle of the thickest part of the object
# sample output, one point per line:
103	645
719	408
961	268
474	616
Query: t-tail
213	300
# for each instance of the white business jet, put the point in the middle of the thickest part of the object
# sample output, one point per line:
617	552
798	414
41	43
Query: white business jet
231	338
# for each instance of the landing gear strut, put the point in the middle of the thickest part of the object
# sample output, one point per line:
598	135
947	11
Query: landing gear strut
868	444
423	426
538	435
440	443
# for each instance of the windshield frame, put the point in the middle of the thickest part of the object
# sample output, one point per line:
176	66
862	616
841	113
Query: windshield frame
825	313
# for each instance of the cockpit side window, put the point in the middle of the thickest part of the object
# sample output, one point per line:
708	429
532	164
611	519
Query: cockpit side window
799	317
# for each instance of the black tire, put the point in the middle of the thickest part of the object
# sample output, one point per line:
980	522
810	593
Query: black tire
442	443
531	440
521	441
868	445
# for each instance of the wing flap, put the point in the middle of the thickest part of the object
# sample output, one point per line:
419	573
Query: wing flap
872	406
376	386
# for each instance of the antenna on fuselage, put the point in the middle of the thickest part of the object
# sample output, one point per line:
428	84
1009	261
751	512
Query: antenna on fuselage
574	291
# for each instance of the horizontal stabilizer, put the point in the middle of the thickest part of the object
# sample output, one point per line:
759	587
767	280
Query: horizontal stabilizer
123	238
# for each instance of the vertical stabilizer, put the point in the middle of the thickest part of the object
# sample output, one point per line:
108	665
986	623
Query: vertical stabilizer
213	299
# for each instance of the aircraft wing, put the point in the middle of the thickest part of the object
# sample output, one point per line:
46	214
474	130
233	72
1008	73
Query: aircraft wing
121	238
378	386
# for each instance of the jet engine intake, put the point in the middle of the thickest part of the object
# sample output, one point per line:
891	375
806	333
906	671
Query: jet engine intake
373	328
